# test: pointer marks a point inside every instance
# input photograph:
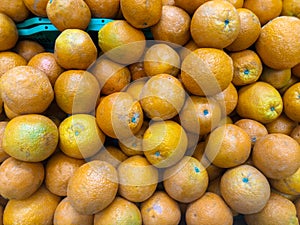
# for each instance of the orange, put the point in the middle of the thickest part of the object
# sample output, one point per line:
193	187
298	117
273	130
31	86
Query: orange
245	189
80	137
74	40
276	155
215	24
228	146
289	185
134	145
9	113
121	42
237	3
9	33
162	97
282	125
187	49
112	77
291	102
278	211
104	8
161	58
189	5
290	83
160	208
30	138
9	60
290	8
47	63
227	99
296	70
28	48
135	87
15	9
210	209
58	170
111	154
66	214
247	67
119	115
181	179
3	154
19	180
297	204
39	208
120	211
259	101
38	8
93	187
173	26
76	91
277	78
206	71
296	133
141	14
277	44
164	143
137	70
250	29
200	115
265	10
34	93
255	129
74	14
138	179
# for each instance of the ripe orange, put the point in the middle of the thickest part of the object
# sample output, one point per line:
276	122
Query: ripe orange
78	41
39	208
259	101
3	154
187	49
58	170
138	179
160	208
277	44
119	115
215	24
255	129
181	179
290	8
161	58
162	97
135	87
38	8
296	70
120	211
164	143
265	10
141	14
277	78
19	180
282	124
296	133
121	42
9	60
104	8
291	102
278	211
173	26
137	70
93	187
9	33
66	214
247	67
290	83
112	77
16	9
206	71
30	138
228	146
210	209
28	48
76	91
237	3
245	189
9	113
250	29
189	5
276	155
74	14
80	137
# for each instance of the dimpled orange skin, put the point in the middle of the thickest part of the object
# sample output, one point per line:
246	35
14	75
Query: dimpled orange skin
215	24
9	60
291	102
119	116
16	9
104	8
31	138
189	5
93	187
277	44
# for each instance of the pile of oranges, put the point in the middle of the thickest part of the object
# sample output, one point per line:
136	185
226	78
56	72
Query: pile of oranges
199	125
